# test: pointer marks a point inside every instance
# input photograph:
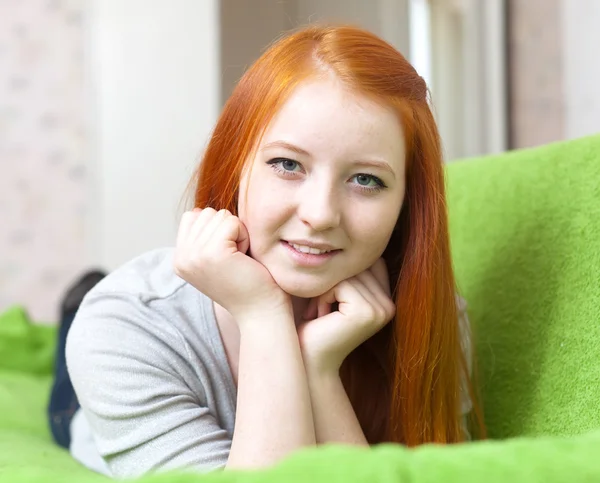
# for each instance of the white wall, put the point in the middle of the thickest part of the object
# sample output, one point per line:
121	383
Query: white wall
386	18
247	28
468	75
153	81
581	44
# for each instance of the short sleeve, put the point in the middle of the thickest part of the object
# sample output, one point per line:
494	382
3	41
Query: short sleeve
131	375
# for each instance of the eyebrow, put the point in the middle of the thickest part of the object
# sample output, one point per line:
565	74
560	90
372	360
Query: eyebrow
366	163
286	145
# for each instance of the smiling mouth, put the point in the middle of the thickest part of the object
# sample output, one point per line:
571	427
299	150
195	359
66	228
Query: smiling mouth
309	256
308	250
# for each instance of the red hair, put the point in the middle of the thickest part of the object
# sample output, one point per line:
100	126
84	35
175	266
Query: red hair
405	382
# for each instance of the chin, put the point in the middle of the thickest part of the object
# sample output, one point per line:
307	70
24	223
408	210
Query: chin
303	289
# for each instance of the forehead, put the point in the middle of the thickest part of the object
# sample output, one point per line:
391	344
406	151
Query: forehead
324	117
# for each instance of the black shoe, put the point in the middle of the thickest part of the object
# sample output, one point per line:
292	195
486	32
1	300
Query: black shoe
75	293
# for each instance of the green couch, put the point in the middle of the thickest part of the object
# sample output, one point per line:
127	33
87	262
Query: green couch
526	241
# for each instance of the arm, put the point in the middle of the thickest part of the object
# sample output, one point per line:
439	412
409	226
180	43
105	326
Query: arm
131	373
334	417
335	420
273	415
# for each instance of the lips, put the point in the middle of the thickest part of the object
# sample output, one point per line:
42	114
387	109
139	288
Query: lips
308	259
309	249
322	246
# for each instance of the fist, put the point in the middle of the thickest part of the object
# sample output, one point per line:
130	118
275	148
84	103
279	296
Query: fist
364	306
210	254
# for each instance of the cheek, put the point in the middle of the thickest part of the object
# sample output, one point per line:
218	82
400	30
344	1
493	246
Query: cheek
371	239
263	212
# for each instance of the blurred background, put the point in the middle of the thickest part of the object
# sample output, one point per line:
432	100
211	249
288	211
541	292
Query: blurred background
106	106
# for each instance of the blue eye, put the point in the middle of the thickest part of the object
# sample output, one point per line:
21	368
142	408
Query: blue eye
368	182
364	182
283	165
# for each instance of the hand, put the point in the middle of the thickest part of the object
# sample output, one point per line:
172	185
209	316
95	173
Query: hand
364	307
210	255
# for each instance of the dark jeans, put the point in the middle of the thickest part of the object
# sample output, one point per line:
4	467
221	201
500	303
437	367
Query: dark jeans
63	401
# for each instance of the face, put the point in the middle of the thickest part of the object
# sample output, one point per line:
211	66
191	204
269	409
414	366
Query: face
328	174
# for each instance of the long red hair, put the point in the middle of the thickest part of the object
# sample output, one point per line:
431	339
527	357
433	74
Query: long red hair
405	382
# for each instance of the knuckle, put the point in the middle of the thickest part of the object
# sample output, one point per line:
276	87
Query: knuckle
369	313
390	309
209	213
379	316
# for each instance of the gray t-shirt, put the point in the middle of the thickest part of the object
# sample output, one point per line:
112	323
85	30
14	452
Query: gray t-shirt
150	371
149	368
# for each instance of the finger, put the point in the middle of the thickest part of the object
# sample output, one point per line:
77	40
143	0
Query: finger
211	225
243	238
379	270
363	290
229	228
231	234
344	295
323	307
373	312
200	223
378	297
374	286
185	225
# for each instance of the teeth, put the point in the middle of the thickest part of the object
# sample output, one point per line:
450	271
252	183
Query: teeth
305	249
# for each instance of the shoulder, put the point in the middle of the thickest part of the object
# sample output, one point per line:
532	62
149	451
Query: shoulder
118	311
142	359
143	296
149	275
140	312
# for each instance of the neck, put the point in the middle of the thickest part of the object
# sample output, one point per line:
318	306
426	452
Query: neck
299	305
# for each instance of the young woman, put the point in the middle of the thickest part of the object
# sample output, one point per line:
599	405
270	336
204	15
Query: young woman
310	297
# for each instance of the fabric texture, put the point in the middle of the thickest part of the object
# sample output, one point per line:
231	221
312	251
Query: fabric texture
150	372
525	232
525	229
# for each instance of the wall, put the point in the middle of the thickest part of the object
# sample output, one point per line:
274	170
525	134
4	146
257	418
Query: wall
580	51
154	90
387	18
554	72
105	107
247	28
537	103
43	163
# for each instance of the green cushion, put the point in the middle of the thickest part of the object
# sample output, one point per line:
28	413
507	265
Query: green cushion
526	243
525	238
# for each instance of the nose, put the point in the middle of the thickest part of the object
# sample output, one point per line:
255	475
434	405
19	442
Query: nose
318	206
